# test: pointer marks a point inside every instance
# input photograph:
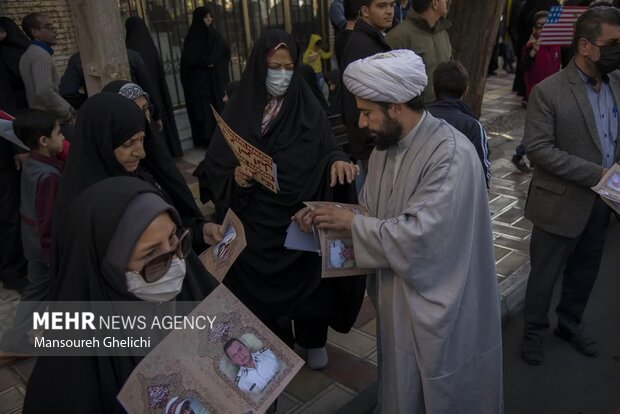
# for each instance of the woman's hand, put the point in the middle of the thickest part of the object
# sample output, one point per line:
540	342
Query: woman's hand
243	177
342	170
212	233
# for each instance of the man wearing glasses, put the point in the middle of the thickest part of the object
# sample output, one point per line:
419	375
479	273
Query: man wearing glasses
38	70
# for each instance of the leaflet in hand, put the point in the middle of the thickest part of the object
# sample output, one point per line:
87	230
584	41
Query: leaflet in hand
190	370
260	164
335	247
609	187
219	258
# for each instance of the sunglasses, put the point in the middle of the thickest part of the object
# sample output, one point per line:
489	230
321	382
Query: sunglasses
157	267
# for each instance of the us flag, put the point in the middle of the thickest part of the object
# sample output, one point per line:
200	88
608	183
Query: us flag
560	25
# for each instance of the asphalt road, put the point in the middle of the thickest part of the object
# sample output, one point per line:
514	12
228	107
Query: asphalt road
567	382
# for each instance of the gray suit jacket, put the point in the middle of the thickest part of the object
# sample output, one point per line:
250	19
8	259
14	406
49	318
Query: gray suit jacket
562	141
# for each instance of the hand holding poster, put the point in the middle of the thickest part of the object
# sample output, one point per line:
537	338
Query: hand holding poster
260	164
335	247
609	187
219	258
235	366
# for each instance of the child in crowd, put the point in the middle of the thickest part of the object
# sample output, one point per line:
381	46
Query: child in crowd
312	56
450	83
40	179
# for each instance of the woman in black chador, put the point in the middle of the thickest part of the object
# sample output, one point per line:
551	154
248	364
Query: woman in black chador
112	138
13	44
139	39
204	74
121	243
275	111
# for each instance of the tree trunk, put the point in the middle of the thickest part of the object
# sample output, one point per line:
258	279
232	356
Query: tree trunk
475	25
101	39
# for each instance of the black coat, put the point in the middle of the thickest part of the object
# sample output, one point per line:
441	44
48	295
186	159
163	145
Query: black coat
364	41
13	93
139	39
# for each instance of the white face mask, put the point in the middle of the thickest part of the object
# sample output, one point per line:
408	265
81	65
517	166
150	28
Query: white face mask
278	81
161	290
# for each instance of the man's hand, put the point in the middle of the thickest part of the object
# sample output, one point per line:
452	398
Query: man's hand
244	177
212	233
342	170
160	125
20	159
303	218
330	217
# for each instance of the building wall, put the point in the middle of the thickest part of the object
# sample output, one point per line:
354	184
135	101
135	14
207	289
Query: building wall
60	13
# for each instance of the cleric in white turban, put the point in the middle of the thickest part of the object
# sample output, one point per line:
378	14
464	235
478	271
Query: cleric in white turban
396	76
429	238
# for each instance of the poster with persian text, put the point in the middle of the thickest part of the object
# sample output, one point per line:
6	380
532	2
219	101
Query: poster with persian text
261	165
235	365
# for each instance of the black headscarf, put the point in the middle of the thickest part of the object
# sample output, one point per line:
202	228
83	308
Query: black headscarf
139	39
11	50
204	59
104	122
81	272
267	277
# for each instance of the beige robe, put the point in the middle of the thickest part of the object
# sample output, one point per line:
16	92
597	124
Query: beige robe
435	291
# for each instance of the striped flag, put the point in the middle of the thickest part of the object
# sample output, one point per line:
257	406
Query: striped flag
560	25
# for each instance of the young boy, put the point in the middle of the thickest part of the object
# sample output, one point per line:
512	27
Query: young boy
40	178
450	83
41	173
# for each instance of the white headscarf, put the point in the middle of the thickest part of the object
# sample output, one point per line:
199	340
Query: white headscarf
396	76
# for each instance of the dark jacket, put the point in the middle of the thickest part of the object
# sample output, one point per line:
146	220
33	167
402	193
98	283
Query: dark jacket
39	186
457	113
364	41
562	139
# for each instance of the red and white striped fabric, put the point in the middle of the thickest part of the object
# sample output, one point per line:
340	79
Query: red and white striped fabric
560	25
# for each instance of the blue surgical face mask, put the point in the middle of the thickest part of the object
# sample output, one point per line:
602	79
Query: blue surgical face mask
278	81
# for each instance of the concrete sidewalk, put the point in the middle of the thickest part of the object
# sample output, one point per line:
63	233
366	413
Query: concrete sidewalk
353	357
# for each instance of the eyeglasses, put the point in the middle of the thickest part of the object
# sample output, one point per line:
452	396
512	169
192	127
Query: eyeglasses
157	267
538	26
48	26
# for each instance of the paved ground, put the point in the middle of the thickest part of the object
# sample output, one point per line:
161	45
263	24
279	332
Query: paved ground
353	357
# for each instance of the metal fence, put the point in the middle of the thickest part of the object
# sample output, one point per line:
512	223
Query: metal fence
239	21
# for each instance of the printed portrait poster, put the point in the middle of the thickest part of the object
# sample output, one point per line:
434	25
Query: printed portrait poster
609	188
262	166
337	252
220	257
190	370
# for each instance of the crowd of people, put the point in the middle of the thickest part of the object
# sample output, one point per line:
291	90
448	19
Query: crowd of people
109	217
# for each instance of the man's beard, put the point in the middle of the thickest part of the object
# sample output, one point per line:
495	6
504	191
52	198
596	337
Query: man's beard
390	134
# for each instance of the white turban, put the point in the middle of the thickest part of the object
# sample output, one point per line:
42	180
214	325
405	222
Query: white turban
396	76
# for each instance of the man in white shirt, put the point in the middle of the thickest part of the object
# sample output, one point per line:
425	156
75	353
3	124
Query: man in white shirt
256	370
